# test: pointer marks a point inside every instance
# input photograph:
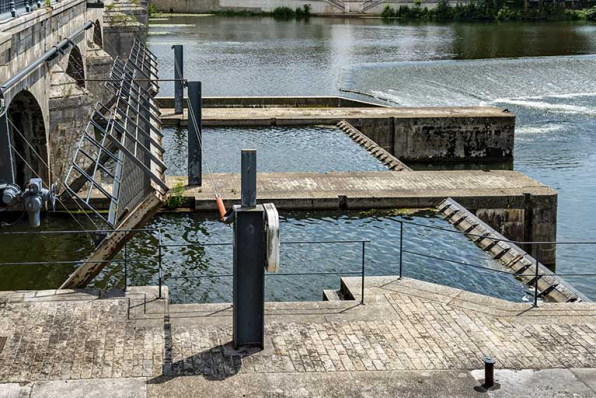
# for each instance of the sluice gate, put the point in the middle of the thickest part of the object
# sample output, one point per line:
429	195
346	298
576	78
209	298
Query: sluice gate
120	158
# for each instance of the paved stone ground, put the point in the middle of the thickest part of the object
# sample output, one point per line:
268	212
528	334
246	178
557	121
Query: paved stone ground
404	326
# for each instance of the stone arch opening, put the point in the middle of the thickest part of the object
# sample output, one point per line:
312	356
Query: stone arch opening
75	67
97	38
28	137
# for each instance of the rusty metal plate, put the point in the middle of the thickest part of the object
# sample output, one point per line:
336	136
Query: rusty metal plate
2	342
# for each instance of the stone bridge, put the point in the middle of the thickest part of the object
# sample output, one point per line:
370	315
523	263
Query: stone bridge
47	107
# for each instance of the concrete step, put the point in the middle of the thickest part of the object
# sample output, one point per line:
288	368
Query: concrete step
331	295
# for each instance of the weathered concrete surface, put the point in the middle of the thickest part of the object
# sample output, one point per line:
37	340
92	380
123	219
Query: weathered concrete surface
459	134
375	189
530	383
410	337
125	21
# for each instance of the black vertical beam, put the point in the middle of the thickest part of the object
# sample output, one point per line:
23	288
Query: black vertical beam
249	260
195	134
178	76
249	277
248	183
6	162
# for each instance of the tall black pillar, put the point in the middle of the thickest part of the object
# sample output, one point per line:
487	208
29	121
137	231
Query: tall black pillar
195	135
178	76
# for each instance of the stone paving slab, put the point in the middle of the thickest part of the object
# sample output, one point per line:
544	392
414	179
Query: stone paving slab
405	325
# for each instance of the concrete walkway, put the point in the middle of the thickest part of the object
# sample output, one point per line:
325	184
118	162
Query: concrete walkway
411	338
323	115
375	189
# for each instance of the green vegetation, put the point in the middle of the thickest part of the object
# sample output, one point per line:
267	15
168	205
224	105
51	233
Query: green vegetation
176	196
282	13
152	10
48	3
484	10
286	13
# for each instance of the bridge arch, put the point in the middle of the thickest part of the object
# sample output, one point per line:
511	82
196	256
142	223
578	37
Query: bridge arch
97	37
28	137
75	68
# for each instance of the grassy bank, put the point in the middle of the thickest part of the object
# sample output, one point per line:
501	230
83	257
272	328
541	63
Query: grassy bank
488	10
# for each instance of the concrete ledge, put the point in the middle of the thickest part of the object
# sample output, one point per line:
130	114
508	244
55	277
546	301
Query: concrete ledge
274	102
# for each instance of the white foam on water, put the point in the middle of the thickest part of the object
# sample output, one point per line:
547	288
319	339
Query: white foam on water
473	82
551	128
559	108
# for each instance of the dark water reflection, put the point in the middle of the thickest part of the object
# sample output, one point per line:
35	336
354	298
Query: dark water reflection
262	56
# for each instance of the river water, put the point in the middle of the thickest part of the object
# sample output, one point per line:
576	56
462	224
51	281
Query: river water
543	72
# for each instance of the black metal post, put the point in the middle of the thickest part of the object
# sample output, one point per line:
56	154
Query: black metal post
536	286
401	247
13	10
489	372
159	264
178	77
363	262
249	259
125	266
195	131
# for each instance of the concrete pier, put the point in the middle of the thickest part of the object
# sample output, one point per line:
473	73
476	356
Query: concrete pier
457	134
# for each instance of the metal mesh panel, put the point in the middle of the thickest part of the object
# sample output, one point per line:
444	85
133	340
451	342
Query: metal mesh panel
120	156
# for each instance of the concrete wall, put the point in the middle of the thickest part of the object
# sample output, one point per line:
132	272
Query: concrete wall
318	7
445	139
526	218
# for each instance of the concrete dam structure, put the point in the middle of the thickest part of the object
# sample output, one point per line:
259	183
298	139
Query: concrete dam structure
442	271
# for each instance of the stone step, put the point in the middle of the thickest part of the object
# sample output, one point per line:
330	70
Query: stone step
331	295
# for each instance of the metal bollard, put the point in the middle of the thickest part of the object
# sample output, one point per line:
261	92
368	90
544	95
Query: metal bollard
489	372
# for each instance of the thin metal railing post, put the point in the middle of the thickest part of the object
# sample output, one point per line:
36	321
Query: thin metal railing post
536	286
159	263
13	10
363	262
125	266
401	248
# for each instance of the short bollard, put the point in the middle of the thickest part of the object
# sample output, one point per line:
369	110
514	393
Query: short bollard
489	372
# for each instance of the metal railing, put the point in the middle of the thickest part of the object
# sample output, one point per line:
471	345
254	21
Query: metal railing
125	259
539	270
10	8
361	272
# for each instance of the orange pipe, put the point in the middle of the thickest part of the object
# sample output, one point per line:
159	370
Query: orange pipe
220	207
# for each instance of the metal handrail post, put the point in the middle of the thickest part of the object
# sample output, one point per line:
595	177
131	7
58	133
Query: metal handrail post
159	262
536	286
401	247
125	266
363	262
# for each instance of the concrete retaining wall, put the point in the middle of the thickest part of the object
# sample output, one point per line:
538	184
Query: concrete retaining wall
318	7
444	139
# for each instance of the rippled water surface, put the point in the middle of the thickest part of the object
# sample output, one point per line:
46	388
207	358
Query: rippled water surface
543	72
197	272
279	149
